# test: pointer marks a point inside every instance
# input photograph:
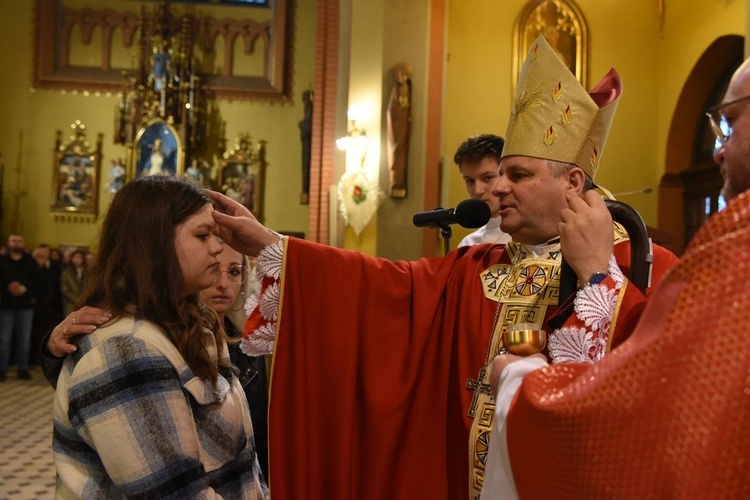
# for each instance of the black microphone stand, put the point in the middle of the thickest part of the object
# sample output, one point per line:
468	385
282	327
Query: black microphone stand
446	232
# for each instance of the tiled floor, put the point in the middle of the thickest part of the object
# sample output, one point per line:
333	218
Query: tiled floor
26	467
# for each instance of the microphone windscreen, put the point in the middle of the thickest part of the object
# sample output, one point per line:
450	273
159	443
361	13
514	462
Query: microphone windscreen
472	213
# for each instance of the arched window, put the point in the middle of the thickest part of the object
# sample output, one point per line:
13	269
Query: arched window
690	189
703	181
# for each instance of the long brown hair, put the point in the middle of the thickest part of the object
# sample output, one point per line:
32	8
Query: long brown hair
137	271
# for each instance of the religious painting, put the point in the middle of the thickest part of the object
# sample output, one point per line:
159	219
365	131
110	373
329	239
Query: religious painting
157	150
75	186
563	26
241	174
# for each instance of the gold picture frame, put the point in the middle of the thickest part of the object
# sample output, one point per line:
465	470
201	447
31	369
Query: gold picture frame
564	27
75	184
157	149
242	172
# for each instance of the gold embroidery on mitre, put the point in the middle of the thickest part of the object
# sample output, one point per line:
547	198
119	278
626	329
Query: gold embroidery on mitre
550	135
557	91
563	103
566	116
594	157
526	100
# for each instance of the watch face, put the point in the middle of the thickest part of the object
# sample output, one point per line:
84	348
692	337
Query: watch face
597	278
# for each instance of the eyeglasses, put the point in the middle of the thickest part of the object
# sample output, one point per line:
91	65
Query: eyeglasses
719	124
235	274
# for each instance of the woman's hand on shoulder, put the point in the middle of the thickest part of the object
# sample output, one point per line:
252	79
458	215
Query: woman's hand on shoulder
81	322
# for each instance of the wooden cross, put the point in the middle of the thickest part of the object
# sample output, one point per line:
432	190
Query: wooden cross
479	387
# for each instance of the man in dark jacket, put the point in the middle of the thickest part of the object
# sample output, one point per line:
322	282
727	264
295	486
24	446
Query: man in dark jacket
18	281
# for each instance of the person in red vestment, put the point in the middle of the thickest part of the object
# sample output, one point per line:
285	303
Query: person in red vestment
666	414
380	383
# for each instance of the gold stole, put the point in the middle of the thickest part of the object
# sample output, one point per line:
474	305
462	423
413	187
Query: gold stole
523	289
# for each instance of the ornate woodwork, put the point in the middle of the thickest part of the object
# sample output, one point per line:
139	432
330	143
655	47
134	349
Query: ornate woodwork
56	24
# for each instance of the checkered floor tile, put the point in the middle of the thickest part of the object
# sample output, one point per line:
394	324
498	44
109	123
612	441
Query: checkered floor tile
26	467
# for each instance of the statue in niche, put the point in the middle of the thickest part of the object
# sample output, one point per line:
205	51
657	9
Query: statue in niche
305	133
157	158
160	66
399	129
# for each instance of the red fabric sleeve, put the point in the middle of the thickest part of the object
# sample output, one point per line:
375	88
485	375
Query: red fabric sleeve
632	301
361	401
665	414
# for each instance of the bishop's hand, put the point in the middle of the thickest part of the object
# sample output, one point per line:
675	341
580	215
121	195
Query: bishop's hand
586	238
238	227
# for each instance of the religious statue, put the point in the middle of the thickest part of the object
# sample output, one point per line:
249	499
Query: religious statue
157	159
160	66
305	132
399	129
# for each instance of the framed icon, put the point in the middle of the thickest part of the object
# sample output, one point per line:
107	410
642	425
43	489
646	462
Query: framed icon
242	174
75	184
564	28
157	150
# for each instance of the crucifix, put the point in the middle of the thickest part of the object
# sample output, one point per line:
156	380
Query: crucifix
479	387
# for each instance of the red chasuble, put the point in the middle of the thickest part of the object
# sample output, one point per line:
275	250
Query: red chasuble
667	414
369	394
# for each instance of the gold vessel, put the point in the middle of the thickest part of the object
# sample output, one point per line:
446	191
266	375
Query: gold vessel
525	339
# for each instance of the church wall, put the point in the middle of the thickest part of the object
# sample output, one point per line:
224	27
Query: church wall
29	119
623	35
653	66
365	93
383	34
687	34
406	36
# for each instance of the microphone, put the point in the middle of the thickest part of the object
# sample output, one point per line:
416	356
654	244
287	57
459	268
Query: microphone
469	213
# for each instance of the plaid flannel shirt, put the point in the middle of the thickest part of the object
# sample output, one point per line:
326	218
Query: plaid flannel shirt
132	420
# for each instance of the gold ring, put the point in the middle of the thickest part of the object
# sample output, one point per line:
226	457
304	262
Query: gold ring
65	334
75	319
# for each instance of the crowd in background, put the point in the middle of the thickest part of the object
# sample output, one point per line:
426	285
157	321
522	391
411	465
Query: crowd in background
37	290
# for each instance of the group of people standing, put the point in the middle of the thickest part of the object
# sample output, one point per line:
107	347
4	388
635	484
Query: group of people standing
388	375
36	290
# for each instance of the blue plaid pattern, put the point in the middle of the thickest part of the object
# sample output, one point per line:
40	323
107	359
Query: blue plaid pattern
132	420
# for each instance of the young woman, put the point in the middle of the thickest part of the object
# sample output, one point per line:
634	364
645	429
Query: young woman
148	405
227	298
